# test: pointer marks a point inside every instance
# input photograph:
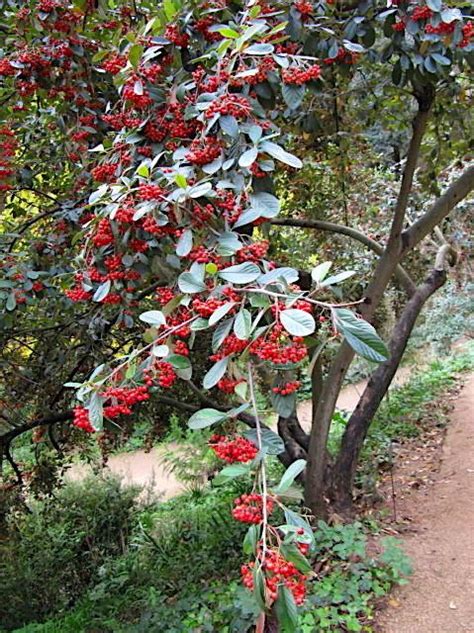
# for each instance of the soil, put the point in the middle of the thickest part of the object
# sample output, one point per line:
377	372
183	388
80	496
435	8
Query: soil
434	486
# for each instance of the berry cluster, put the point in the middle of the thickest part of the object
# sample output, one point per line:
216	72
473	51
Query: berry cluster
104	173
278	571
279	348
161	373
151	192
236	449
114	64
228	385
249	508
203	152
304	7
81	420
230	345
300	76
207	307
421	13
287	388
233	105
253	252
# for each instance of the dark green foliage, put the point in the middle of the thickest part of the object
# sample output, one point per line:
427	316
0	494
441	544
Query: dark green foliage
132	598
52	554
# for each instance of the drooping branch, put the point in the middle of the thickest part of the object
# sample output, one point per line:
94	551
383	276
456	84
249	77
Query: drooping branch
401	274
356	430
457	191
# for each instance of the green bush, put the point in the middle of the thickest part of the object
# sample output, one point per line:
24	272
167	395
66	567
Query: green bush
53	553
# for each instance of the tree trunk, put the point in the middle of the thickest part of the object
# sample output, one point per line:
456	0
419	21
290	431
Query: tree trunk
346	463
386	266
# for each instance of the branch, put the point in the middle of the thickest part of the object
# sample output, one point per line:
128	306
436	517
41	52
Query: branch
457	191
402	276
425	101
64	416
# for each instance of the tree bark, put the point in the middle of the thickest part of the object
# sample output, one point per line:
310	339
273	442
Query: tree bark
356	430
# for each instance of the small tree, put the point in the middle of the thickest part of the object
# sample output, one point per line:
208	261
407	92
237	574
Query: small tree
152	135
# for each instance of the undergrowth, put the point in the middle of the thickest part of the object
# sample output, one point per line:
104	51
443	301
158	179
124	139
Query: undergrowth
176	569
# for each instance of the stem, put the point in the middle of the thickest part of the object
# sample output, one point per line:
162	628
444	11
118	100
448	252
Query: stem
263	477
322	304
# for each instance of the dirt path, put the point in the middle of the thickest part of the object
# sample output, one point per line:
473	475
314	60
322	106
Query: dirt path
148	469
440	595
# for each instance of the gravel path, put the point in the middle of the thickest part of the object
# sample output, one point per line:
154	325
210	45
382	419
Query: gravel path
440	595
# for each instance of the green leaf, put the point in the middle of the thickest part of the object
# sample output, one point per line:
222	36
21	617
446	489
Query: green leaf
290	275
229	125
134	54
283	405
434	5
143	170
247	217
319	272
96	411
181	181
290	474
449	15
293	95
266	204
250	541
243	324
280	154
353	46
221	332
230	242
170	9
226	31
360	335
292	518
102	291
160	351
259	587
259	49
215	373
297	322
271	441
241	273
190	284
231	472
441	59
335	279
211	268
221	312
199	324
200	190
292	554
185	243
241	390
248	157
153	317
206	417
11	302
178	361
286	610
